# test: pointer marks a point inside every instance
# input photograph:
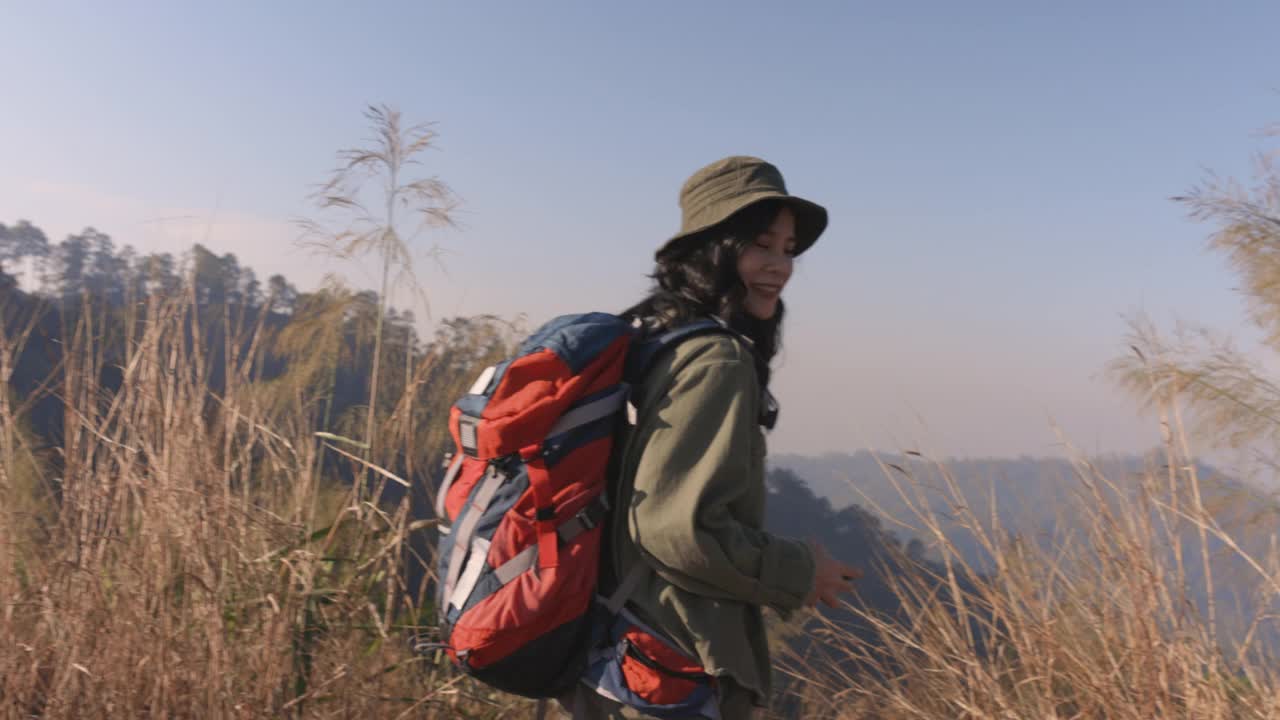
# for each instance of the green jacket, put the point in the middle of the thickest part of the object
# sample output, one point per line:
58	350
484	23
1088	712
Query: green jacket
692	492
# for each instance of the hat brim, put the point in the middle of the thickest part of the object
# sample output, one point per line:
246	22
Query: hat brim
811	221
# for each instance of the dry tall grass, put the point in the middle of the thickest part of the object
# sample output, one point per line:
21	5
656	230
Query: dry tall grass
1103	624
190	562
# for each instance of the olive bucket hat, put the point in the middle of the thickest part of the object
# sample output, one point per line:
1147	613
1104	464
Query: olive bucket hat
714	193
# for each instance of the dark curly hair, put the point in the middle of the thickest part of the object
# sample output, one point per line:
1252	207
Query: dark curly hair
699	278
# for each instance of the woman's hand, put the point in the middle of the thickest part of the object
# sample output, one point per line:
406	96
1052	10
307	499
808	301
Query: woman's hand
831	577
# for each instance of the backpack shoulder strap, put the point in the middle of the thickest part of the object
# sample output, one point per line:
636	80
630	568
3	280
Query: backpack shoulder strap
650	348
645	353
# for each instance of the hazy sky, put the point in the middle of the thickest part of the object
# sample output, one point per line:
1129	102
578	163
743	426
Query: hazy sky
997	173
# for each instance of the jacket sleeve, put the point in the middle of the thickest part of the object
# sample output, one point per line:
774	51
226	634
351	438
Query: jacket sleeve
695	466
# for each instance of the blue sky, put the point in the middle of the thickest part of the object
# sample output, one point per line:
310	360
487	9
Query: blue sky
997	173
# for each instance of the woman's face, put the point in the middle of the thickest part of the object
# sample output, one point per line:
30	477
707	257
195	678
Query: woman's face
765	265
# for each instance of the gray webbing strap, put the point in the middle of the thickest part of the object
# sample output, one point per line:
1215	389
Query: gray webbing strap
588	518
462	535
482	382
449	477
589	413
511	569
525	559
471	575
626	588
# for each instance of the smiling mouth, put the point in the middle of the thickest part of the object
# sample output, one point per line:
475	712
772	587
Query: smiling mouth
768	289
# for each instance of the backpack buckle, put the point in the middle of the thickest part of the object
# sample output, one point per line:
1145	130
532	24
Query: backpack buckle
467	438
585	519
584	516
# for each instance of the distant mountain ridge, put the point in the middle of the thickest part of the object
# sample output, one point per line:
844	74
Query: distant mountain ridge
1045	500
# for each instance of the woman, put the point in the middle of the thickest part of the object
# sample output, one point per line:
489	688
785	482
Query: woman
692	477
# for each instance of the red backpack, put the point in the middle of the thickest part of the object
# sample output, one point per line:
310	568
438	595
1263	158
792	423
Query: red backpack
524	499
